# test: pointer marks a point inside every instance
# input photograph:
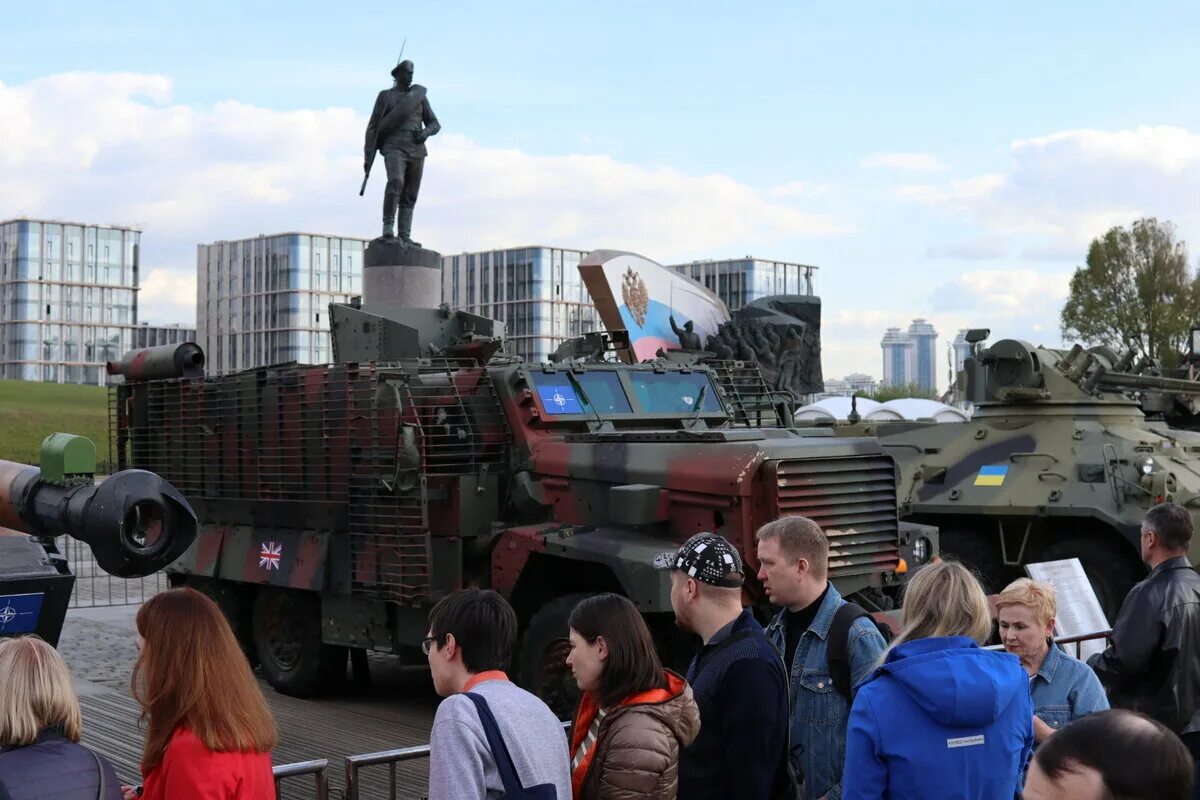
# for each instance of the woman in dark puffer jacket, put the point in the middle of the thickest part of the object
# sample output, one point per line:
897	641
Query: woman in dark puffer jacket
634	716
40	721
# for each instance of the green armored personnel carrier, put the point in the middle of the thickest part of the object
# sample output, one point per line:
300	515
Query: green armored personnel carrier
1058	461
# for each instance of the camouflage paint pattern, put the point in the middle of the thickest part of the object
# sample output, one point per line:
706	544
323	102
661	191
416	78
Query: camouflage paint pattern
1058	460
391	484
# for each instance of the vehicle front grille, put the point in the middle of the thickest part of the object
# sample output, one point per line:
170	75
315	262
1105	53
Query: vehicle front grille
853	499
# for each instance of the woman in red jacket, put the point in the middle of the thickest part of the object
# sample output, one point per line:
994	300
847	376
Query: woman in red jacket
209	732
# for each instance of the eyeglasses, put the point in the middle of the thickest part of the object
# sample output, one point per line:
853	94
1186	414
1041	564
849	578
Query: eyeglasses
427	644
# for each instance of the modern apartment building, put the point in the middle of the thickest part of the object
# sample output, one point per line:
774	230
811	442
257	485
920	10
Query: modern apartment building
68	299
910	356
146	335
924	339
265	300
738	281
897	358
535	291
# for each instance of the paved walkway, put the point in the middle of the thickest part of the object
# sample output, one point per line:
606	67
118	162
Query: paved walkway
99	644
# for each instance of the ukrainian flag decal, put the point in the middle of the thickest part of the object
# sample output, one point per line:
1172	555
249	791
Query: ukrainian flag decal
991	475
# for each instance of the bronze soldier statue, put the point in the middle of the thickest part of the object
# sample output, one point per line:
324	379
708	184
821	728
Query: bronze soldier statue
400	124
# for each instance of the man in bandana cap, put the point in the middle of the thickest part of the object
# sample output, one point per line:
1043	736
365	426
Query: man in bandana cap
400	124
737	677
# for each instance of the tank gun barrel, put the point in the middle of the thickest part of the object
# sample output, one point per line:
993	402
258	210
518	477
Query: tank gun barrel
165	361
134	521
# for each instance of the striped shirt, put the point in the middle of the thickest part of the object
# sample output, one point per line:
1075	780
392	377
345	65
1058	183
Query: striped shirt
589	741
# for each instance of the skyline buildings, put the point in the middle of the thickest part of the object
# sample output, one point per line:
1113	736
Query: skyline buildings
536	291
147	335
68	298
910	356
739	281
264	300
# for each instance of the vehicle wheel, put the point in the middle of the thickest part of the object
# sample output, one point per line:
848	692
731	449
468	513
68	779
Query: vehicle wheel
1112	570
236	602
287	636
542	667
981	552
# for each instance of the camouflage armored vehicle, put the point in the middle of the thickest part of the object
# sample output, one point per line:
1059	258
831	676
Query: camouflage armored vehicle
1058	461
338	502
134	522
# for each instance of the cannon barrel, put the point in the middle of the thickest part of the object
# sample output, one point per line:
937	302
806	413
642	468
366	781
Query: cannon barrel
156	363
134	521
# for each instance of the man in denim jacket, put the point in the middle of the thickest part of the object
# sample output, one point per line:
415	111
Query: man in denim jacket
793	556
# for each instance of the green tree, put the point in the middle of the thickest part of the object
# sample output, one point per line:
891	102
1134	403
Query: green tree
884	393
1136	290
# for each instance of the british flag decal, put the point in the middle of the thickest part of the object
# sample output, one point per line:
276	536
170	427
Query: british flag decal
269	555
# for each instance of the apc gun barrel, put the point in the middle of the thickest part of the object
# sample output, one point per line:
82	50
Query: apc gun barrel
1130	381
135	522
155	363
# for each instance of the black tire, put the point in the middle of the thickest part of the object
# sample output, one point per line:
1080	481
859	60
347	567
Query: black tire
287	636
542	667
1113	570
981	552
236	602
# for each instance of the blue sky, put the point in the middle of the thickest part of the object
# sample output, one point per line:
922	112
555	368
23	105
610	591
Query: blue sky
946	160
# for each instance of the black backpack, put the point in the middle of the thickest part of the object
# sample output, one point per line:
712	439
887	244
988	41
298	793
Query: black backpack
838	643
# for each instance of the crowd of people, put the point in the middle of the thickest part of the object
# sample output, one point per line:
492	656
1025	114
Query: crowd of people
823	702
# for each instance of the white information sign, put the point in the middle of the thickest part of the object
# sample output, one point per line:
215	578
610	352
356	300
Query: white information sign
1079	612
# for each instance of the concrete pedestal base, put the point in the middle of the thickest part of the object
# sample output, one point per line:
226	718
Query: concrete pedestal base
399	276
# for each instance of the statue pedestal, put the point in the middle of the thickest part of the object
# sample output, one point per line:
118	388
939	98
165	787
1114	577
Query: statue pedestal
400	276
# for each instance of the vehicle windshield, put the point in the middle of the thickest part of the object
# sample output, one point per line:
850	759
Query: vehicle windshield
603	389
673	392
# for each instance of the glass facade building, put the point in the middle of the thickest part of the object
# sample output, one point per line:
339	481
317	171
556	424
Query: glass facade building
738	281
897	358
265	300
924	339
146	335
910	356
535	291
68	299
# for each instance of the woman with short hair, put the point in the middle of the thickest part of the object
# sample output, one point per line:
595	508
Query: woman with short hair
1063	688
941	717
40	726
209	732
634	717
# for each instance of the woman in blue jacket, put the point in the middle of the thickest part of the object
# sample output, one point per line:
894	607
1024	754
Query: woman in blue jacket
941	718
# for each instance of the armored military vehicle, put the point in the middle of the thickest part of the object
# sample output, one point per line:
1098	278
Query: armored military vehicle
337	502
134	522
1058	461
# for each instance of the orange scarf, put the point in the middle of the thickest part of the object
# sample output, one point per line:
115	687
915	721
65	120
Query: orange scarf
589	706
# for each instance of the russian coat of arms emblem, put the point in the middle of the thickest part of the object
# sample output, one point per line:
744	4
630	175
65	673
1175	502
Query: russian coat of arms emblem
635	295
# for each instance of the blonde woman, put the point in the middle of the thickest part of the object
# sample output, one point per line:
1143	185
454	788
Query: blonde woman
40	721
1063	688
941	717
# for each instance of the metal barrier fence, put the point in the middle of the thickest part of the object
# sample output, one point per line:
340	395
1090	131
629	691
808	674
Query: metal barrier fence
316	768
1075	640
96	588
389	757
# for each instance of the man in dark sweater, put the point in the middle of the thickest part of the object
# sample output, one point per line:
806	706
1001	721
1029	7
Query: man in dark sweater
737	678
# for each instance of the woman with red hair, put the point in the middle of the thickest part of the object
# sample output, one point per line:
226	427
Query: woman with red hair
209	732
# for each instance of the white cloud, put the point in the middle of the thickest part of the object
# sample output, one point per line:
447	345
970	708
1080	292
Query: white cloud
910	162
1062	190
113	148
169	293
801	189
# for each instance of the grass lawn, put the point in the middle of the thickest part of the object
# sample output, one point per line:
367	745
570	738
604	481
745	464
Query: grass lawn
31	411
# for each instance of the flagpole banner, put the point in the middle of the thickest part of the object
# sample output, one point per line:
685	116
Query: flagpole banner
641	296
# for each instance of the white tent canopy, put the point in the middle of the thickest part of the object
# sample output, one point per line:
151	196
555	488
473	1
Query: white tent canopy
834	409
